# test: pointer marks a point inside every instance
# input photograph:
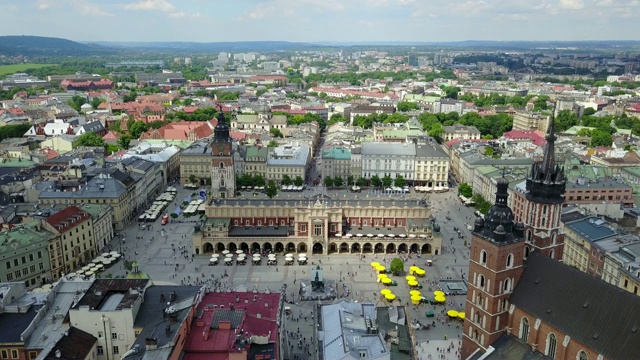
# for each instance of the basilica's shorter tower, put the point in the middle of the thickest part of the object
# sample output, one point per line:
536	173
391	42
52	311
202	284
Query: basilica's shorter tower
495	266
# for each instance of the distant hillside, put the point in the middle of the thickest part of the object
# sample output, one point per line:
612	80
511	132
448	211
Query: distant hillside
39	45
211	46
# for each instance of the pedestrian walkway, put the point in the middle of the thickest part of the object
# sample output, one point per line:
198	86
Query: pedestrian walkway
439	349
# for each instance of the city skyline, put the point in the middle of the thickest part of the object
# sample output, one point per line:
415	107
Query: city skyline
321	20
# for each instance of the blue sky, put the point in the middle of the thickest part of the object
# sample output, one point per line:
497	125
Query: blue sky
321	20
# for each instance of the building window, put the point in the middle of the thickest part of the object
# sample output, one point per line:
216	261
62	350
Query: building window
303	227
524	329
551	346
507	285
32	355
509	260
114	336
100	350
116	350
317	230
4	354
481	281
483	257
582	355
14	353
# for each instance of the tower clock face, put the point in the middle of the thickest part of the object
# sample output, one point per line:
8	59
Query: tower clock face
221	147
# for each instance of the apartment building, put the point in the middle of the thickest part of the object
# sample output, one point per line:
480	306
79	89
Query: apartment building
530	121
255	162
462	132
102	224
431	165
108	311
195	164
336	161
289	160
25	255
388	159
74	229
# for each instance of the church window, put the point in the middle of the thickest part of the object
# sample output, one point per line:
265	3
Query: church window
529	235
582	355
509	260
553	239
221	182
544	210
221	165
524	329
481	281
551	346
507	285
483	257
317	229
551	253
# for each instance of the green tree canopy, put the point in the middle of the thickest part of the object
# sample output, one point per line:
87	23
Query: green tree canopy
298	181
286	180
137	128
328	181
272	144
276	133
387	181
124	141
465	190
76	102
600	138
337	181
407	106
399	181
89	139
271	189
375	181
396	266
565	120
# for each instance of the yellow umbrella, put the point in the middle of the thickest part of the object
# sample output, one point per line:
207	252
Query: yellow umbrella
440	299
375	264
461	315
412	283
386	281
420	272
382	276
415	301
385	291
416	297
438	293
410	278
381	268
414	292
413	268
390	297
452	313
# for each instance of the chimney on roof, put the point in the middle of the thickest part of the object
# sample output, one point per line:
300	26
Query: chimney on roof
151	343
259	315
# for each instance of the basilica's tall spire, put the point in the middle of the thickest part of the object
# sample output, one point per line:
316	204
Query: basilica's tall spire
546	181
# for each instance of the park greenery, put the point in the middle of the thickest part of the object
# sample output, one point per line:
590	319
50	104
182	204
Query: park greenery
465	190
396	267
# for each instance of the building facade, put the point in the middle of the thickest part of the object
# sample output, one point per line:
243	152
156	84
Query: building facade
431	165
336	161
388	159
195	164
25	255
291	160
321	226
74	228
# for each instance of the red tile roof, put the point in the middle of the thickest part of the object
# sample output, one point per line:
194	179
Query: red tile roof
183	130
49	152
67	219
111	135
535	138
259	318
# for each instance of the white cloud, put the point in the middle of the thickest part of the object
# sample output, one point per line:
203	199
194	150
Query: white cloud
43	4
182	14
571	4
87	8
154	5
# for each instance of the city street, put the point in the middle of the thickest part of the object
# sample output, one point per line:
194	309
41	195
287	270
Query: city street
168	259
